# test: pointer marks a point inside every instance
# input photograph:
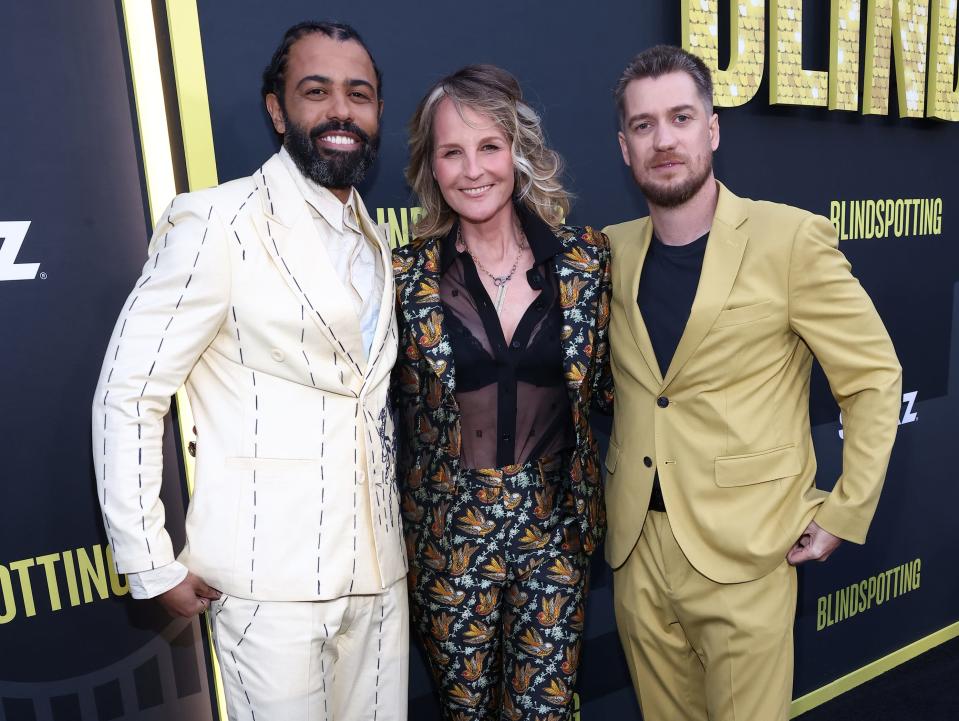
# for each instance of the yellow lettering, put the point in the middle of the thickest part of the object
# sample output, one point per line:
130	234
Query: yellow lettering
118	581
878	58
9	603
901	24
789	83
49	568
26	588
70	571
739	82
92	572
835	211
844	54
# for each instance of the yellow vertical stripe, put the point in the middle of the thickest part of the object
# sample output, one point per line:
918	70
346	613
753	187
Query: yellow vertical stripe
150	106
158	159
193	103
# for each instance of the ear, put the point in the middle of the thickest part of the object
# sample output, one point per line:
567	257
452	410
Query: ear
276	113
380	112
714	131
622	147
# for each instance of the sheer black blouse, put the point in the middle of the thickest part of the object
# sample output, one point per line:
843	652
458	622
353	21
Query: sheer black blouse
512	398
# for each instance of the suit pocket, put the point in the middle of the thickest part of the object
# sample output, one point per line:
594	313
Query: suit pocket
751	468
743	314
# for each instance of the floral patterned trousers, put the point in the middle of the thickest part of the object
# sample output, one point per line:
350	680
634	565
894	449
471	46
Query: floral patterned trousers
501	616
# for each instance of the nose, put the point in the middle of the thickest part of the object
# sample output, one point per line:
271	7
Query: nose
664	138
471	165
338	107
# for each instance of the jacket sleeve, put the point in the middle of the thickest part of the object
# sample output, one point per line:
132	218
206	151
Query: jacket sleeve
169	319
831	312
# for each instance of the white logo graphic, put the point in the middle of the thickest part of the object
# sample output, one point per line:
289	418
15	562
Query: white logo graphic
908	415
12	234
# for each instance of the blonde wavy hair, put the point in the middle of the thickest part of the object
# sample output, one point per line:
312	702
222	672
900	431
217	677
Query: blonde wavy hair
494	92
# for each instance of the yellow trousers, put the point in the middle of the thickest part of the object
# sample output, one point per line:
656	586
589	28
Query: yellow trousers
698	649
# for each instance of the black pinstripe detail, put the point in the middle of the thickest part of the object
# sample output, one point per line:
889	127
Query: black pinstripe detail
153	364
319	538
276	250
236	664
379	657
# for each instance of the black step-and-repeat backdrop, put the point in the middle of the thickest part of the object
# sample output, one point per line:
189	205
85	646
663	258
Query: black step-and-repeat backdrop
73	229
798	79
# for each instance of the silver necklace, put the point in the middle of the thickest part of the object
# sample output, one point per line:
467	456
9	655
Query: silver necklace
500	281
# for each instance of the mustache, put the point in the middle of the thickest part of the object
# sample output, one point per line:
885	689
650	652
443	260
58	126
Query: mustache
343	126
665	158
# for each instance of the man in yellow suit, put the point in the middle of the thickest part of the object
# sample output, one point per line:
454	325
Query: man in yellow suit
720	306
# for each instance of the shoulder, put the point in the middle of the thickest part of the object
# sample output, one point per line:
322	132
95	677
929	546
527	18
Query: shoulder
415	253
581	240
626	232
225	200
765	211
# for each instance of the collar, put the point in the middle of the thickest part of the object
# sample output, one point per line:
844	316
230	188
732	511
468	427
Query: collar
542	240
338	214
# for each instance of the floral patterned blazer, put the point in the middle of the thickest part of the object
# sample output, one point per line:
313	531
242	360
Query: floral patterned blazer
424	381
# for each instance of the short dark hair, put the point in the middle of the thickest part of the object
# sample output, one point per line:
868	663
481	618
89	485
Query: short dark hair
274	74
660	60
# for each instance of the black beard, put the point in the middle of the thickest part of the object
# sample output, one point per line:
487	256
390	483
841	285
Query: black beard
675	195
330	168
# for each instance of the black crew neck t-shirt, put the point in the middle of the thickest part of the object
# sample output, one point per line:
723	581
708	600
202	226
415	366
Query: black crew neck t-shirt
667	288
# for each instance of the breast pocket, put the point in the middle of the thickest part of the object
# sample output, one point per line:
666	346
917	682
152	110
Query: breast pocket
743	314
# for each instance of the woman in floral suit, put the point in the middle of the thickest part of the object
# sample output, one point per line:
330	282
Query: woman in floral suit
503	316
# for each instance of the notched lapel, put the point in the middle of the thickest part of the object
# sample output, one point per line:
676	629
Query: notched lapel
627	269
724	255
384	328
286	229
422	307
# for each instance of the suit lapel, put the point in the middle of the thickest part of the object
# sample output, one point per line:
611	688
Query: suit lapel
422	307
288	233
724	254
627	269
386	308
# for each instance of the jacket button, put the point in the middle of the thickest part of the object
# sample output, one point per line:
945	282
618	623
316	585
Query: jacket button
648	462
662	401
277	355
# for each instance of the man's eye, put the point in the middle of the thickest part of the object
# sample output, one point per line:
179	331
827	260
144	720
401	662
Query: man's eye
641	126
682	118
316	91
360	95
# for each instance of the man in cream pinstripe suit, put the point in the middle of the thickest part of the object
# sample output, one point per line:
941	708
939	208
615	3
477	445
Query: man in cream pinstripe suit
271	298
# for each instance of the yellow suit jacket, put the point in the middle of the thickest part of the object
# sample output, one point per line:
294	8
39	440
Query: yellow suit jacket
727	427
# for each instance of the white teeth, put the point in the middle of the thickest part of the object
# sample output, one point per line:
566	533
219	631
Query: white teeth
339	139
476	191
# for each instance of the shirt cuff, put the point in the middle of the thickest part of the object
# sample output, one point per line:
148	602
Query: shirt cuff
148	584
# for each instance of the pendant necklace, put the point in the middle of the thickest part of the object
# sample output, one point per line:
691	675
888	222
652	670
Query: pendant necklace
500	281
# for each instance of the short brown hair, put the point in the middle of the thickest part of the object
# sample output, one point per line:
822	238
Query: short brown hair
661	60
493	92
